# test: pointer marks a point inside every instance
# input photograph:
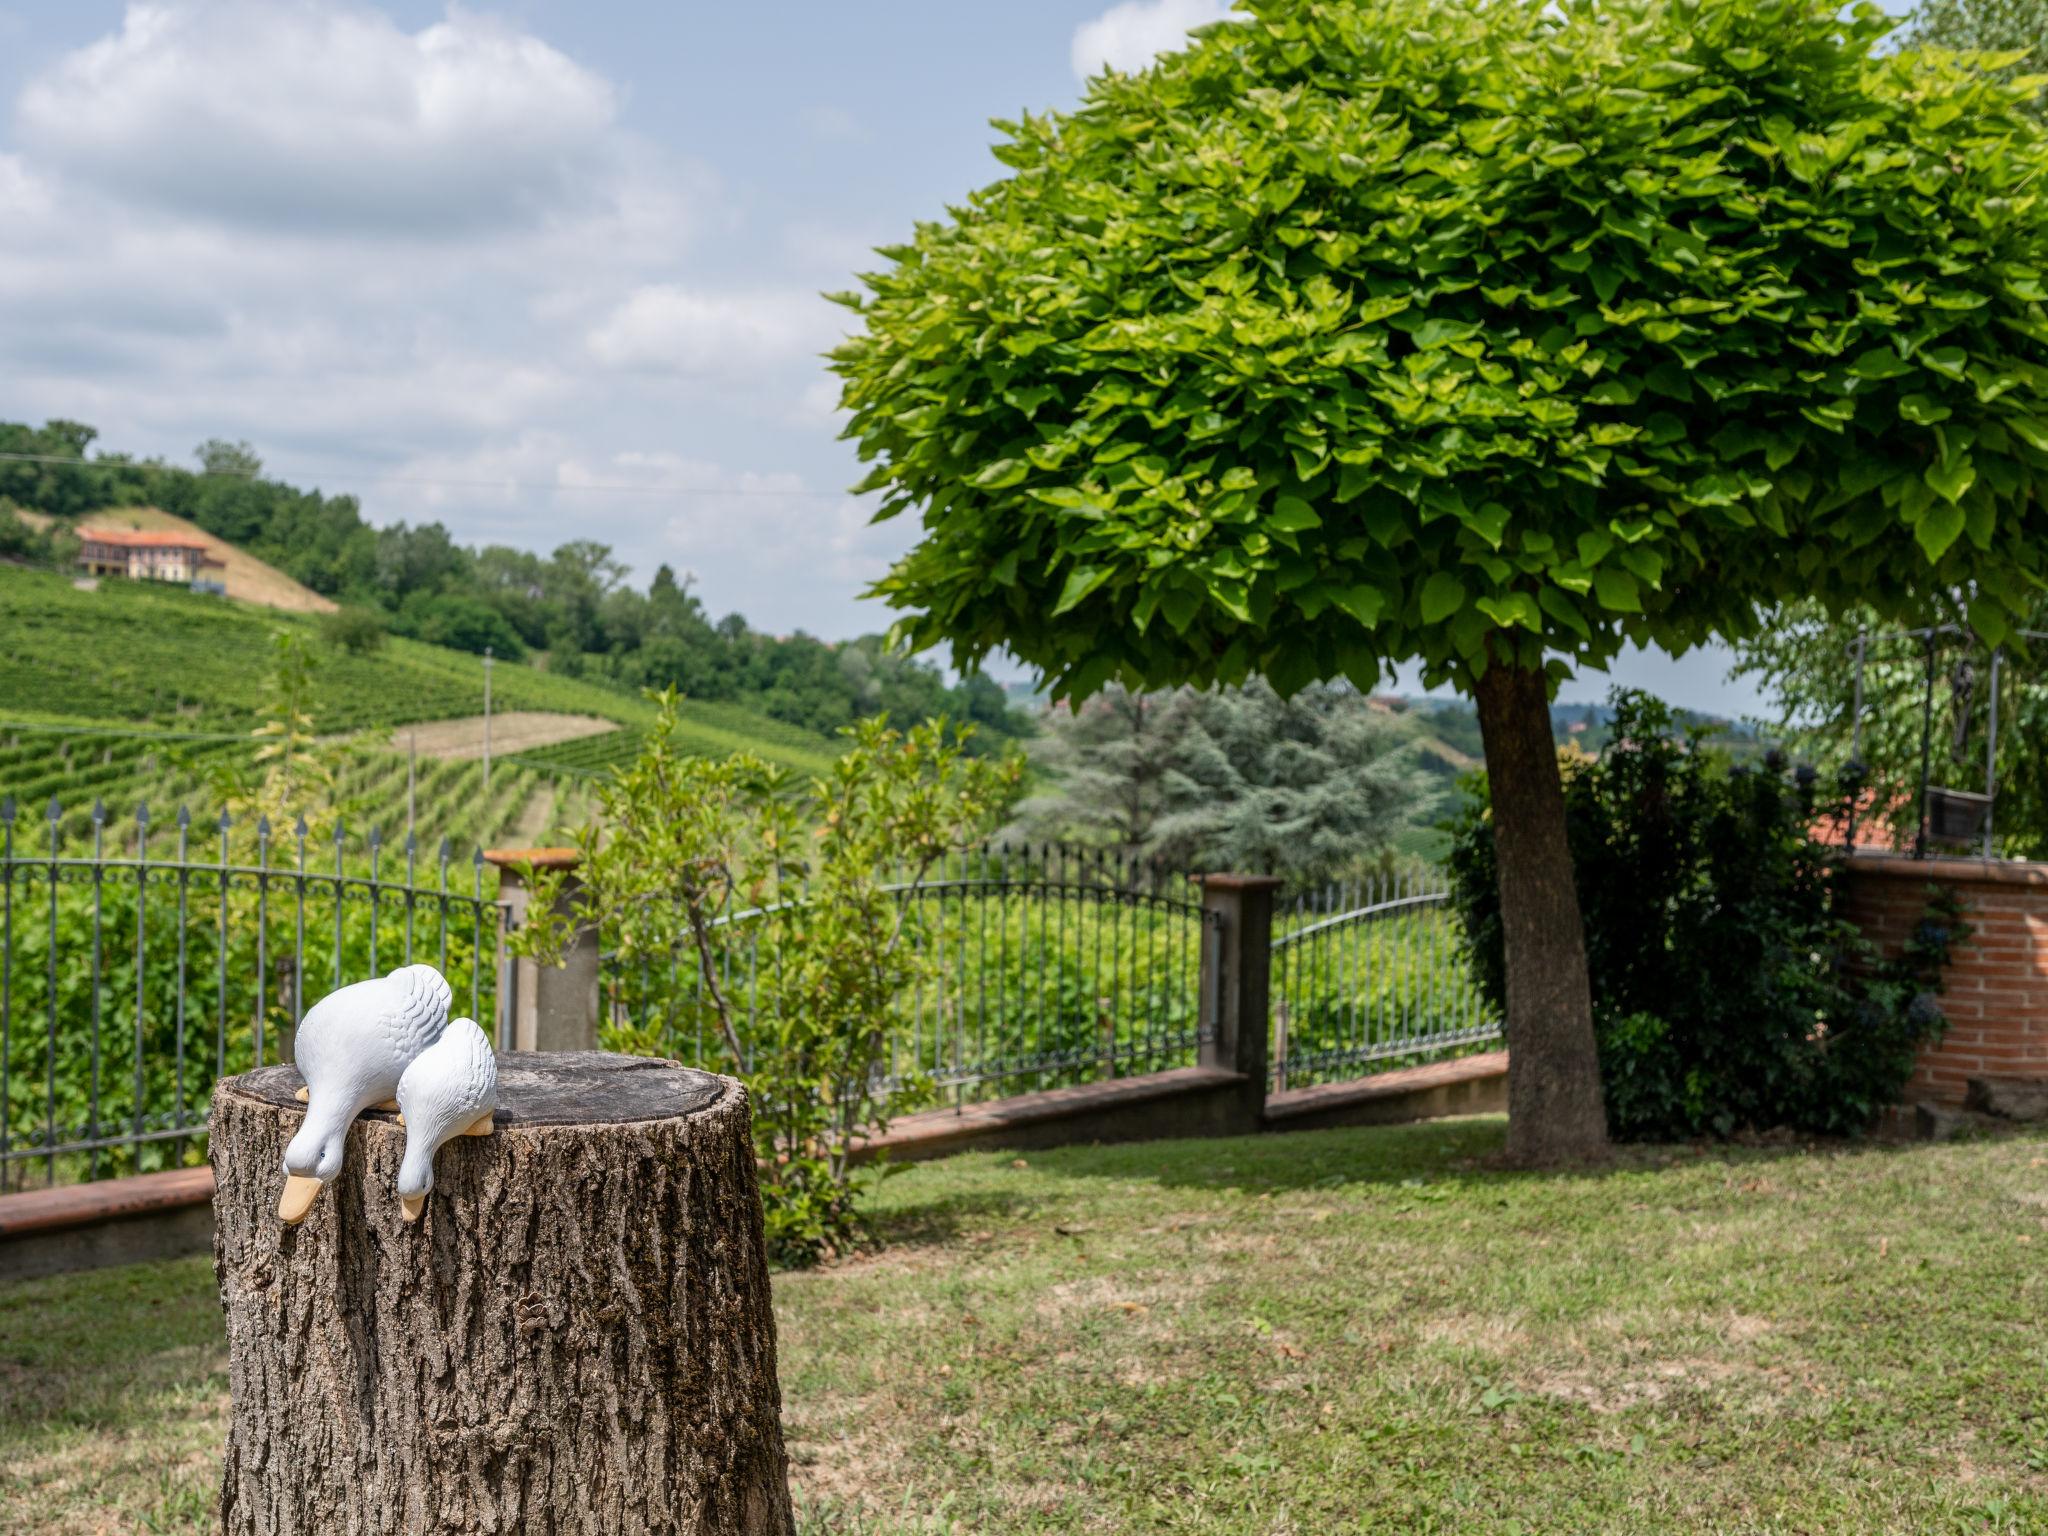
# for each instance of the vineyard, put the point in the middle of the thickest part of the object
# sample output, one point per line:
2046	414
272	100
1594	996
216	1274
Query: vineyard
80	766
142	652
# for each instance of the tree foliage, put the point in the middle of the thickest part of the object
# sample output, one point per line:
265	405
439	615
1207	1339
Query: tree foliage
1228	779
2014	32
1806	663
1454	332
725	875
1729	991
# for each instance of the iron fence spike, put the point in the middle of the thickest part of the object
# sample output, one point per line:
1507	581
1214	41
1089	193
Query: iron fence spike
7	810
299	826
56	811
184	818
99	812
226	820
263	826
142	814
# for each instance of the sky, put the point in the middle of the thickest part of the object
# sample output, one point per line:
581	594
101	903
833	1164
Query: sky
540	270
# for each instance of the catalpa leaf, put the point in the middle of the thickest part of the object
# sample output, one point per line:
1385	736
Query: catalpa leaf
1952	477
1002	474
1939	526
1616	590
1291	514
1442	595
1364	604
1080	583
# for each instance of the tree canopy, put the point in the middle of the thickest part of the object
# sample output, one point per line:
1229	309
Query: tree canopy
1511	331
1240	779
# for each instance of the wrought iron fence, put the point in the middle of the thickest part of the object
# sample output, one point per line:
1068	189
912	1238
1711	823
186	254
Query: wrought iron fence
142	963
1041	966
1370	975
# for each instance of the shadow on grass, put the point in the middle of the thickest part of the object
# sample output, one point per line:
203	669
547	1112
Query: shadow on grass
939	1222
1453	1152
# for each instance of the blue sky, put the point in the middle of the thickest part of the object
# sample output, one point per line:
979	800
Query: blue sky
539	270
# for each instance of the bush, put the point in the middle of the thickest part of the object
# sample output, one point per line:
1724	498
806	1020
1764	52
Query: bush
462	624
1729	993
359	631
703	866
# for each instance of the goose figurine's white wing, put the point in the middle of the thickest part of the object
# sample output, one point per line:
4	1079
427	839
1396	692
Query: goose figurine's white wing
352	1047
450	1090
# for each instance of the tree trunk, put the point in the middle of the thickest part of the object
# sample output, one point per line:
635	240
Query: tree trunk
1555	1111
574	1337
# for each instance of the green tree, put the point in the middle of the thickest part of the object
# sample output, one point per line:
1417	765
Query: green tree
1235	778
1490	337
358	631
1806	663
2012	30
717	869
239	461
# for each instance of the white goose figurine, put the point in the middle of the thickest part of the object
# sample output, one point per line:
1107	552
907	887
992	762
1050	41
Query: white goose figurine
352	1047
450	1090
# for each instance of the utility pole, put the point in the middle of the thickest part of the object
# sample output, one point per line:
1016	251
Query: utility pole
487	719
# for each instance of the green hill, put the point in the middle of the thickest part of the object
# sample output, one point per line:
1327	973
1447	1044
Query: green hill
136	651
190	669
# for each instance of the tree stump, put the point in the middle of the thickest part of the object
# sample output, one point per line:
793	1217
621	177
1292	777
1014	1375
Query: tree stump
574	1337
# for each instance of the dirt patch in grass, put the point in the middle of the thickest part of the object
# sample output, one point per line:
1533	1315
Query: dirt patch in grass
518	730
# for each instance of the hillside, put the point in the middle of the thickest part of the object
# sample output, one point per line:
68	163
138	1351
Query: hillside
133	652
247	579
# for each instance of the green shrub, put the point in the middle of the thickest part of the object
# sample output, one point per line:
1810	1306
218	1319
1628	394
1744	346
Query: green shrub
1729	991
783	928
359	631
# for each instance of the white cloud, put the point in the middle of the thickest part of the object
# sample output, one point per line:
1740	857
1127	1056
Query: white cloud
1129	36
665	328
324	117
455	262
737	529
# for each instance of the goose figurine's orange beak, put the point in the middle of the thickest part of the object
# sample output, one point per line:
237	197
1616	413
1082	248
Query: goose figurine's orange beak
300	1191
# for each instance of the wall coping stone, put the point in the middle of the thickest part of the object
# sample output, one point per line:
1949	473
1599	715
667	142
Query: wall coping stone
1899	866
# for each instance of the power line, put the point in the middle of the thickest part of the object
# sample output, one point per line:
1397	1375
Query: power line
450	483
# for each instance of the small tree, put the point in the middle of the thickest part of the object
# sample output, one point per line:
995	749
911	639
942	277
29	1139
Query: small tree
722	868
1492	337
1234	778
358	631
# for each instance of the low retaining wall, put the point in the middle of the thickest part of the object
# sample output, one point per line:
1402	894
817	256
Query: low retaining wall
116	1221
1995	992
166	1215
1196	1101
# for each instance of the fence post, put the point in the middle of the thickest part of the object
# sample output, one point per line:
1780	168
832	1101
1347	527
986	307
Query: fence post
1237	967
554	1008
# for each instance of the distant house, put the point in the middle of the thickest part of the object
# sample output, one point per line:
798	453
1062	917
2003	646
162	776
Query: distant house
144	555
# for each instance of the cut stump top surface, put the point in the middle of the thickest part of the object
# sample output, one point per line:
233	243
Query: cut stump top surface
548	1088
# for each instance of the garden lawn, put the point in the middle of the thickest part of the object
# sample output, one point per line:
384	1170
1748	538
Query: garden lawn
1337	1331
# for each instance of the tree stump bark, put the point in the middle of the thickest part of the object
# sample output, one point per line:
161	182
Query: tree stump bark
574	1337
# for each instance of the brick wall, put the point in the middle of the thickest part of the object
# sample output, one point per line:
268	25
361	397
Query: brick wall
1996	987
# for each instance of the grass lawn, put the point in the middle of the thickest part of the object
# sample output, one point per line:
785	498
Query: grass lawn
1338	1331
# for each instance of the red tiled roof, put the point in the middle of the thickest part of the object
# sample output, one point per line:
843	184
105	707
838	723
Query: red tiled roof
140	538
